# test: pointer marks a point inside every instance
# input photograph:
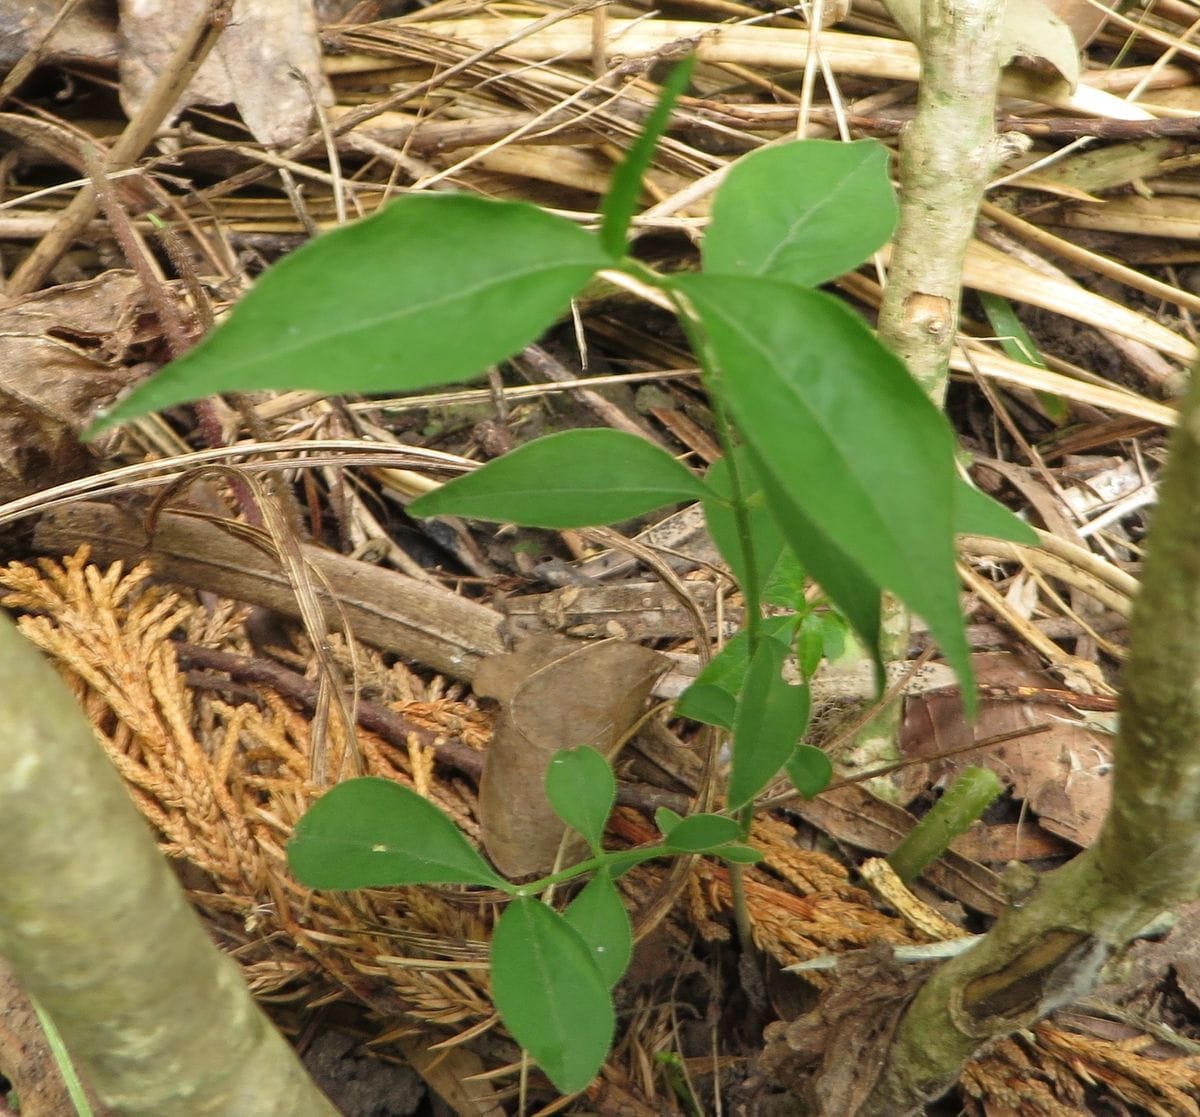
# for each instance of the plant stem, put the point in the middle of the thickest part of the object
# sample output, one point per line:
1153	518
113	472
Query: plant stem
966	799
617	862
751	586
1049	951
947	157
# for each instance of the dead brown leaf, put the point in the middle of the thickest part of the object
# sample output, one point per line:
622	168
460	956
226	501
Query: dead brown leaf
554	694
86	35
267	62
57	354
1062	772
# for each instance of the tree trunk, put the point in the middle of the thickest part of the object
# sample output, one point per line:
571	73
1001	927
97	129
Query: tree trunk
99	933
1048	949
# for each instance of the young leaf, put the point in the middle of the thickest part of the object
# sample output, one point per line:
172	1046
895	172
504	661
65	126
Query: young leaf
582	789
1017	344
810	644
809	770
786	582
976	513
551	994
577	478
700	833
806	212
771	718
666	820
432	289
372	833
845	435
712	698
599	916
626	184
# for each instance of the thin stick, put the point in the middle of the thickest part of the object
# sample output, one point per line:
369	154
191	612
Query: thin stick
179	71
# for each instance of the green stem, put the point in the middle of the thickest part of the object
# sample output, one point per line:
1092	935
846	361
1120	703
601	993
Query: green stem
616	862
967	798
751	585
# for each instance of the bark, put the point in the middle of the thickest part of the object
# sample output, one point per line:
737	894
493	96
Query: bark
1049	950
98	931
947	157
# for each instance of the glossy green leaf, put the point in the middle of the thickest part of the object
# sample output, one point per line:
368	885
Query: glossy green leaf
432	289
709	704
626	185
846	437
772	716
581	788
976	513
713	697
578	478
806	211
599	915
372	833
809	770
700	833
666	820
551	994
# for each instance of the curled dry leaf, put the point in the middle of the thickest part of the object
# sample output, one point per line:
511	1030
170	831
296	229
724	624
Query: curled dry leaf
1062	773
58	349
554	694
88	35
267	62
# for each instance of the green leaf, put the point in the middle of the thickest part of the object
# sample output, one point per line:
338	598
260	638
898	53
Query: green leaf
854	593
1015	341
822	635
806	211
430	290
582	789
712	698
599	916
551	994
809	770
810	645
577	478
739	854
666	820
976	513
700	833
786	582
845	436
772	716
625	187
372	833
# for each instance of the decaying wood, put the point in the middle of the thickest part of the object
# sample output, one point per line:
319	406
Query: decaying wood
385	609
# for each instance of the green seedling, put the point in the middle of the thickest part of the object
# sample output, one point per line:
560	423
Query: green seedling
836	467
